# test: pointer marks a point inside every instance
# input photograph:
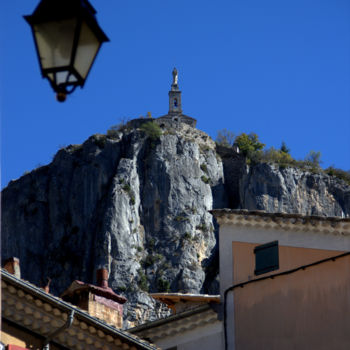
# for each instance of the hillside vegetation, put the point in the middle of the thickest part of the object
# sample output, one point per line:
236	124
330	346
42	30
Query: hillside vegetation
255	152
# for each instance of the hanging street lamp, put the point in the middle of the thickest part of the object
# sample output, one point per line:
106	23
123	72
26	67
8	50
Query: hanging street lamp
67	39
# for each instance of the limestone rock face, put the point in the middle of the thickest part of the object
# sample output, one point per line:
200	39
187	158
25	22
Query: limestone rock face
291	190
138	205
134	205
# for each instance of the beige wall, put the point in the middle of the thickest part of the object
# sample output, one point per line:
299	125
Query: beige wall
289	258
296	236
308	309
258	235
105	313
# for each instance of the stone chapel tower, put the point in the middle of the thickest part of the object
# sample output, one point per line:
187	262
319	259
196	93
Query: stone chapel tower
175	109
175	96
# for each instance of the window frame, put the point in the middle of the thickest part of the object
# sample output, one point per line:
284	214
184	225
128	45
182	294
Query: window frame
270	248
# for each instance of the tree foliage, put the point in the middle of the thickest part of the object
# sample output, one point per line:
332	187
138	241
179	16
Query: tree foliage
284	148
254	151
248	144
273	155
152	130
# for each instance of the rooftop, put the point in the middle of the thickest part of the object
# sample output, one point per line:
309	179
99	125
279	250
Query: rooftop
105	292
85	329
177	324
181	297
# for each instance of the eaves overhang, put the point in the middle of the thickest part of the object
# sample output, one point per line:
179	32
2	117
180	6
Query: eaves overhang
282	221
177	324
184	297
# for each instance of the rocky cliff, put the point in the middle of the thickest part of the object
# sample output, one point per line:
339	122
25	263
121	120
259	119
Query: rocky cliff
138	205
292	190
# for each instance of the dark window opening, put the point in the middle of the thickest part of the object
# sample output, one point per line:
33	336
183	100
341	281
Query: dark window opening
175	102
266	258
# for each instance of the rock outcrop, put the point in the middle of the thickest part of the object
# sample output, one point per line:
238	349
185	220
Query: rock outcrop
138	205
132	204
292	190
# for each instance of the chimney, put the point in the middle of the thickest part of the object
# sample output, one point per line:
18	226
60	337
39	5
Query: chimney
98	300
47	286
102	278
11	265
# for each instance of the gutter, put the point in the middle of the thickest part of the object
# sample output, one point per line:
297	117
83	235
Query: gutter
54	334
303	267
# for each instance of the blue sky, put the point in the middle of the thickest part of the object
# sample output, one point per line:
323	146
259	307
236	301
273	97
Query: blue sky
278	68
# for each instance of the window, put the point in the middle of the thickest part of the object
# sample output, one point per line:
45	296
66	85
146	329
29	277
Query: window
175	102
266	258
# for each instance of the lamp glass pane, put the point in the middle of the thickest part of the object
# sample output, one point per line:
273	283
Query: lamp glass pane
62	77
55	42
72	79
51	76
88	47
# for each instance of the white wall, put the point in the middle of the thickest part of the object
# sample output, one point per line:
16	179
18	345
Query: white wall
208	337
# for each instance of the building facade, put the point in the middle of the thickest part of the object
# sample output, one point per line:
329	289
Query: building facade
194	325
284	280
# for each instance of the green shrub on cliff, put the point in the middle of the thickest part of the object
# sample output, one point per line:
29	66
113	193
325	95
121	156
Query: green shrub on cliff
255	152
163	285
142	281
339	173
249	144
152	130
272	155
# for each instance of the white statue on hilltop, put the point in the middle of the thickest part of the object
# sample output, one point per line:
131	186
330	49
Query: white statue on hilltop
175	76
